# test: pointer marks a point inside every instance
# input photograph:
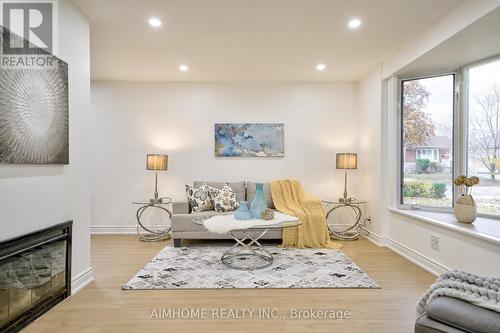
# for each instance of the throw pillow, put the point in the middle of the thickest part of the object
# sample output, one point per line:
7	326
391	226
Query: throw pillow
224	200
199	198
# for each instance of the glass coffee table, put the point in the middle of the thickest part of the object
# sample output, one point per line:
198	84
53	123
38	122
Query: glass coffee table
248	253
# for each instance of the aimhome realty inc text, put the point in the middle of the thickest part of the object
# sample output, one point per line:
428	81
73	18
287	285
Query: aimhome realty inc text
247	313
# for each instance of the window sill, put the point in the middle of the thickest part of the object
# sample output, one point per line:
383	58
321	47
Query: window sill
483	228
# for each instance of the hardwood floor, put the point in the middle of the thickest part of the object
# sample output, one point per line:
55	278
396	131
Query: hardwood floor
104	307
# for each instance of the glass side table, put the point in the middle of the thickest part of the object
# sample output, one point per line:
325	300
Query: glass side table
148	233
350	231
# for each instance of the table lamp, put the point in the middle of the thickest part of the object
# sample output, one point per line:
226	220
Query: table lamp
156	162
346	161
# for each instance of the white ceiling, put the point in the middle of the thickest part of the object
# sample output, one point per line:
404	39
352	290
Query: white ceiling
250	40
480	38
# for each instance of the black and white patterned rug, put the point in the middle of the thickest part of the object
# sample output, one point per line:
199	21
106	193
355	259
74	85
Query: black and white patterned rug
200	267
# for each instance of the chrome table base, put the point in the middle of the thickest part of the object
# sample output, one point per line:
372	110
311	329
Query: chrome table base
146	233
247	254
350	232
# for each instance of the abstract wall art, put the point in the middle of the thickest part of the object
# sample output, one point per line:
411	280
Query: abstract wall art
250	140
33	110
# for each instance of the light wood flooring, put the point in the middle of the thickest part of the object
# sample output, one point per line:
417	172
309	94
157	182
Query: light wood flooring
103	307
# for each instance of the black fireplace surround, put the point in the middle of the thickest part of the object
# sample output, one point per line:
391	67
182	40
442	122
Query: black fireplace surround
35	274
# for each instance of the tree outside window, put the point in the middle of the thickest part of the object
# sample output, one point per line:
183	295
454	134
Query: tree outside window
484	135
427	140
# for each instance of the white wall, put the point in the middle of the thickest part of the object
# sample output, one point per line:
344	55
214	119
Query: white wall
131	119
370	145
456	250
34	197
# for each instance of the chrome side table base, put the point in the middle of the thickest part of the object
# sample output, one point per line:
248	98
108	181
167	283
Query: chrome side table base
146	233
351	232
247	254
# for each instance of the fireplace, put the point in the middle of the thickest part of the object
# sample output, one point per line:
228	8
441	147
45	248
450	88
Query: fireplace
35	274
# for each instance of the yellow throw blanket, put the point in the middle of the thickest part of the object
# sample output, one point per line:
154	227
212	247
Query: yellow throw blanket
290	198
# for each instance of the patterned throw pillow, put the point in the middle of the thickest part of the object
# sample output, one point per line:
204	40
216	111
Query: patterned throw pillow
199	198
224	200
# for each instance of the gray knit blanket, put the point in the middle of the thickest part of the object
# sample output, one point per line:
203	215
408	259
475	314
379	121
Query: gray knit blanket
480	291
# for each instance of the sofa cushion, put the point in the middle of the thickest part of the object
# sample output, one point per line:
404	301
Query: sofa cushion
239	188
251	187
199	198
463	315
184	222
224	200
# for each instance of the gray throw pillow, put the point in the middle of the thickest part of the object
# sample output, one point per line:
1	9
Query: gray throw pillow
199	198
224	200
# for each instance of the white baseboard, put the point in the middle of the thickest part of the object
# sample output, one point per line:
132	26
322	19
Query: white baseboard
119	229
113	229
415	257
82	280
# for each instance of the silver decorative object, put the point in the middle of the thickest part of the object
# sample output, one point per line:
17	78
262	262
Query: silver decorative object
34	112
267	214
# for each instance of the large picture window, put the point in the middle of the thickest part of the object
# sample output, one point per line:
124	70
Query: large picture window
483	144
427	141
432	122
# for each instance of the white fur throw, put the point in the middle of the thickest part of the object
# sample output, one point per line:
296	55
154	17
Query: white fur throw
222	224
480	291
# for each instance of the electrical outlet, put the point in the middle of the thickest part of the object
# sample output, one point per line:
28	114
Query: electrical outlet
435	243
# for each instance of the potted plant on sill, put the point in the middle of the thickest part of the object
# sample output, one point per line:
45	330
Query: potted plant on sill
465	206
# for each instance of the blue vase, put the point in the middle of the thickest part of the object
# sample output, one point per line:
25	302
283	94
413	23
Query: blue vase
243	213
259	203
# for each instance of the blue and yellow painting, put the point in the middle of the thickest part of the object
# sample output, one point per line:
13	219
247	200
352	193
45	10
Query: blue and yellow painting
249	140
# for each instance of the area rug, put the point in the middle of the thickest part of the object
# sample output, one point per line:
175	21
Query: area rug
200	267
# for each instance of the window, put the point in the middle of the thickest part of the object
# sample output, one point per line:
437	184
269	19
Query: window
483	141
430	120
427	141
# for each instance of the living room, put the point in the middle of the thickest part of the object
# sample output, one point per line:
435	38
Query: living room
155	154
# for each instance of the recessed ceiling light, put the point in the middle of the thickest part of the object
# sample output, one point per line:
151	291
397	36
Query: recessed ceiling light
183	68
320	67
155	22
354	23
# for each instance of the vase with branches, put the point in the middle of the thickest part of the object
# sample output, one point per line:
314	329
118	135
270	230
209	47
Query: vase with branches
465	206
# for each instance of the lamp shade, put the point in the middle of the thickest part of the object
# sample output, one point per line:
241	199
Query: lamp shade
156	162
347	161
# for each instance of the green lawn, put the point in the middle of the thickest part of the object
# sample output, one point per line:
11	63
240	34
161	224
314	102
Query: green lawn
430	177
427	202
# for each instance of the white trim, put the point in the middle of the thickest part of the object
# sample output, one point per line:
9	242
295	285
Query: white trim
417	258
82	280
466	229
119	229
113	229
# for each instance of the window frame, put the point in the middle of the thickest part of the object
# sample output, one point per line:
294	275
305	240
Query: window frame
464	102
460	130
401	80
